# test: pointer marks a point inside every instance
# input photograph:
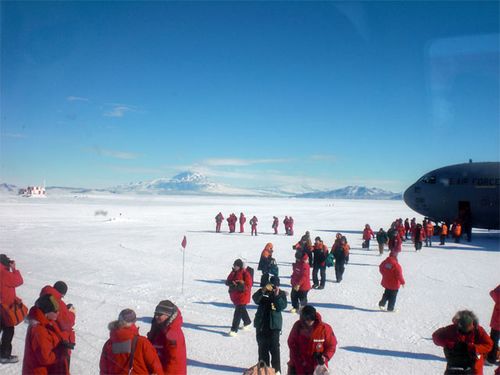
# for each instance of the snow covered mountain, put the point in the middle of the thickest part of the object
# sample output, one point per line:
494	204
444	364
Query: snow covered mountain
353	192
194	183
182	183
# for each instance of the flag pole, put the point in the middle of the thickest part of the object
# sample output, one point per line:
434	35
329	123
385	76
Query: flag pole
183	249
183	259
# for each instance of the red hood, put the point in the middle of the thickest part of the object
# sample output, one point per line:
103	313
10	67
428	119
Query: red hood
122	333
47	289
36	314
318	320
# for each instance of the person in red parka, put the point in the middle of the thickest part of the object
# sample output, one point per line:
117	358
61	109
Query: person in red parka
300	280
367	236
243	220
125	343
44	349
392	279
10	279
168	339
239	282
495	325
286	224
397	245
407	228
66	317
465	344
429	232
312	343
290	226
231	222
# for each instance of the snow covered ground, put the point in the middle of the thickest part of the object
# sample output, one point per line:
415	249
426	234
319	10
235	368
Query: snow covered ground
132	258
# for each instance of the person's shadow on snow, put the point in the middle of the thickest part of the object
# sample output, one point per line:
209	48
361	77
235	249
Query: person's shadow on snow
207	328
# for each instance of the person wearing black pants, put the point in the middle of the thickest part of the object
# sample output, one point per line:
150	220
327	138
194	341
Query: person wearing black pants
6	342
319	263
10	279
239	282
240	313
392	279
389	296
341	258
268	321
299	298
300	280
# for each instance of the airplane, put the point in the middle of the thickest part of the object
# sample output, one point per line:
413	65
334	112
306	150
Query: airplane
469	192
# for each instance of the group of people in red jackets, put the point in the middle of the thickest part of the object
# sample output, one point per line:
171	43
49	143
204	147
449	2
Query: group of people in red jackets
466	344
50	337
311	341
232	219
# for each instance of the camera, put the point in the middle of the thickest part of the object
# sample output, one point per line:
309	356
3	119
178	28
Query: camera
319	358
67	344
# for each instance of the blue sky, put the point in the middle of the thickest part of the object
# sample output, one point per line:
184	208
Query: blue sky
324	94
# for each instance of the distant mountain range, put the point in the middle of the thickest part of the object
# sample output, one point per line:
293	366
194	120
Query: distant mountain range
353	192
193	183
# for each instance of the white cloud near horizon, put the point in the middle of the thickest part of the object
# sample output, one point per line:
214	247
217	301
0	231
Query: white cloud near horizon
76	98
115	154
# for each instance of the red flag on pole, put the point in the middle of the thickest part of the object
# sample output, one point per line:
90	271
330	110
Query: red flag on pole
184	243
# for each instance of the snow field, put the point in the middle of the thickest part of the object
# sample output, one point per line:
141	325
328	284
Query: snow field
132	258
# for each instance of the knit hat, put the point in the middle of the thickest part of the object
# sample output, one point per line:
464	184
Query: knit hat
308	313
47	303
165	307
61	287
275	280
299	254
464	319
4	259
127	316
238	263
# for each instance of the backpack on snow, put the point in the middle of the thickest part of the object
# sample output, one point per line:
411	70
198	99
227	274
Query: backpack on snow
259	369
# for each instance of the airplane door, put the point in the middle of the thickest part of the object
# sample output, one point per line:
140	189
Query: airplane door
465	216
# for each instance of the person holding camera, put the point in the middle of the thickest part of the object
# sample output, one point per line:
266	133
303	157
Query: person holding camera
44	349
10	279
66	317
312	343
465	344
268	321
239	282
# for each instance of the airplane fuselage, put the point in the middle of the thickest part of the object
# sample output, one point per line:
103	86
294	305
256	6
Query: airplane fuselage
469	191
